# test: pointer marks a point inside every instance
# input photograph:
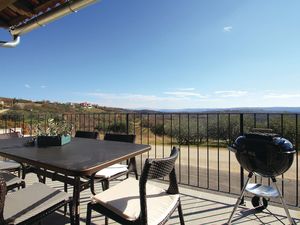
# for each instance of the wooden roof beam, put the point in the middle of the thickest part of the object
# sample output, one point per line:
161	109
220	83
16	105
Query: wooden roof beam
21	11
49	4
4	4
17	20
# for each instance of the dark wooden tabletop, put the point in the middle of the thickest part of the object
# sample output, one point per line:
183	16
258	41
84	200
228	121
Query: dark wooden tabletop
78	158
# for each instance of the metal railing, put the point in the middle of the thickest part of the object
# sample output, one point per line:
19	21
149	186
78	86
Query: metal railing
204	160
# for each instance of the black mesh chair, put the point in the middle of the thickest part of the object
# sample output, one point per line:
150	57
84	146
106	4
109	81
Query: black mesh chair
7	166
31	204
117	170
86	134
12	181
138	202
87	180
83	134
10	165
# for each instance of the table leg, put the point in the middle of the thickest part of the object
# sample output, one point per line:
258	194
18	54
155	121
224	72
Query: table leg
76	199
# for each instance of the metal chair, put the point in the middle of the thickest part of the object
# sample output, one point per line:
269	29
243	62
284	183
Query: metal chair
112	172
138	202
10	165
117	170
31	204
83	134
87	134
12	181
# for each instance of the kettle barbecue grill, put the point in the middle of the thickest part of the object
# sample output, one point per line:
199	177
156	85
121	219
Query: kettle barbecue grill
267	155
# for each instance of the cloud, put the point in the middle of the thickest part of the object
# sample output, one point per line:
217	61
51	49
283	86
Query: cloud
176	99
281	96
129	100
27	86
227	94
184	94
43	86
227	28
127	96
186	89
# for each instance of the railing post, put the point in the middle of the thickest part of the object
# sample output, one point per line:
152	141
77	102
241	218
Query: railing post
31	122
5	123
297	163
241	168
127	123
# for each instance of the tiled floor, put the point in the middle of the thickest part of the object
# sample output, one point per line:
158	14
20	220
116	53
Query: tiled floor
199	207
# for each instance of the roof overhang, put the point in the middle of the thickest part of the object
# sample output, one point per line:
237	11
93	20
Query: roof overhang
23	16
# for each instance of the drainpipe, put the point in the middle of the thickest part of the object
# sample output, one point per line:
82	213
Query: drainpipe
10	44
42	20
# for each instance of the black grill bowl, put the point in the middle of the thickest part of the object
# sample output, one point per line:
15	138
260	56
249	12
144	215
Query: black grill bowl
267	155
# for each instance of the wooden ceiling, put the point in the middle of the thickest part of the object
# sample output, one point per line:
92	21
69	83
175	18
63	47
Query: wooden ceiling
17	12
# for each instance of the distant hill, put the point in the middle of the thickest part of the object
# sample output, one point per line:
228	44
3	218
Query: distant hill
22	106
237	110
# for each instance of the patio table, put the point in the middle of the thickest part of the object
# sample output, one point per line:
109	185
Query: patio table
67	163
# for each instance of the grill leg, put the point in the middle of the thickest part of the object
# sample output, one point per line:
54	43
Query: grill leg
239	199
283	203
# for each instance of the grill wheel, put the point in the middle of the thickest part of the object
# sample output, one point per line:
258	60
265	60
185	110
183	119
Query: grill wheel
259	203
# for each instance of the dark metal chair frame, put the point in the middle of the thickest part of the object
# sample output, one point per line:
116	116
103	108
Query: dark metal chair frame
87	134
20	184
22	167
8	136
82	134
90	135
35	218
130	138
153	169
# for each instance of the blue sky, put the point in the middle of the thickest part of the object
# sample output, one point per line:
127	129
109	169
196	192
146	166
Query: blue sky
162	54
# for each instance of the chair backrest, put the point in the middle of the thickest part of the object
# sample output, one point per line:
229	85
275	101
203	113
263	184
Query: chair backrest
120	137
3	191
87	134
10	135
154	169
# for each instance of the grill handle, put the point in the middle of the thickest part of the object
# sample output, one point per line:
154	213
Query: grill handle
232	149
290	152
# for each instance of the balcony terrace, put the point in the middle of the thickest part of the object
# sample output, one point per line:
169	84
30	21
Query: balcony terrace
199	207
209	175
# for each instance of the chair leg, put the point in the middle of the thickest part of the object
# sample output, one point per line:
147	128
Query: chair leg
19	172
39	176
105	184
132	167
71	213
23	184
180	213
127	162
92	185
44	179
89	214
23	171
66	190
136	175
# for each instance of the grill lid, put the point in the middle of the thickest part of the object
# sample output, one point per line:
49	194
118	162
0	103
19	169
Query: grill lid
275	141
266	154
